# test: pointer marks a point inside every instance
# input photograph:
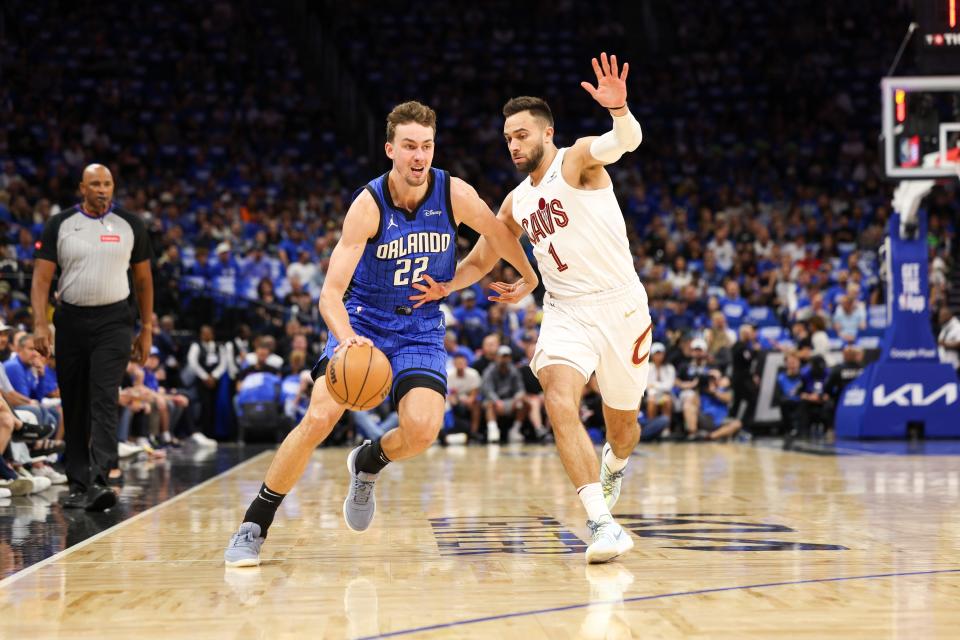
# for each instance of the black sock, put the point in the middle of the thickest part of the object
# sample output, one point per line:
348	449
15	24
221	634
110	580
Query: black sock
371	458
264	508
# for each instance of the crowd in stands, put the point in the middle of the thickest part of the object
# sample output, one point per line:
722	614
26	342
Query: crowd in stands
755	206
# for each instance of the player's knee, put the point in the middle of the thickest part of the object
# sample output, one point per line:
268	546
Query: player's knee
420	431
561	406
316	424
6	423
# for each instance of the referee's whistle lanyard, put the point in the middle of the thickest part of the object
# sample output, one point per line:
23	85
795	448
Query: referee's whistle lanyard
93	216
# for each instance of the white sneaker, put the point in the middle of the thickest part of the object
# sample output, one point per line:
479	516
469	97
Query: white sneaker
493	434
40	483
203	441
127	450
51	474
457	438
610	480
609	541
514	435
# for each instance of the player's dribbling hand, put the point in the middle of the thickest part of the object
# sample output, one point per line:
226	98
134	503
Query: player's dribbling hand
353	340
430	291
611	89
511	292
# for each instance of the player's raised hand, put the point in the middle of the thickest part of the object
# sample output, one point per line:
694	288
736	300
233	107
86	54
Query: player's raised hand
611	89
430	291
511	292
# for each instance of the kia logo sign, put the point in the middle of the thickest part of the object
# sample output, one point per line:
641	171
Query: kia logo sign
912	395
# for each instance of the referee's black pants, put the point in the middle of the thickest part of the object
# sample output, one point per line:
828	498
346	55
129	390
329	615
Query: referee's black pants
93	349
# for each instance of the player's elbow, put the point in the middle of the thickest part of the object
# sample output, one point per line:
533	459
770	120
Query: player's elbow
634	139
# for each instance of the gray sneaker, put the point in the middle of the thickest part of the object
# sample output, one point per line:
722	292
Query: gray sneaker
244	547
360	504
610	480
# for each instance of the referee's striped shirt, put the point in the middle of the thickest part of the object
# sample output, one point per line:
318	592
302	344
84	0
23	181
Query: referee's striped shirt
94	253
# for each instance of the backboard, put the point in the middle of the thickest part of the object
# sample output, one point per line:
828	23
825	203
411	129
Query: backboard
921	117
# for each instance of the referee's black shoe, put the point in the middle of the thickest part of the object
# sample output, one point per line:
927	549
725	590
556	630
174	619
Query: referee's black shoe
100	498
76	499
96	498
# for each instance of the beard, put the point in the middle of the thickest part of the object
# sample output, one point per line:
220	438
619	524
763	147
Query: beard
533	159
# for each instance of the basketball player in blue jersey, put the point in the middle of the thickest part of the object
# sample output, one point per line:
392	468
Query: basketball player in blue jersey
398	227
595	315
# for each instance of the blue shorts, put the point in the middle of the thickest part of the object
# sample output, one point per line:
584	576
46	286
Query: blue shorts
413	344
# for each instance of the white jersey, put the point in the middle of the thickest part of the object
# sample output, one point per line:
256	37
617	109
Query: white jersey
579	237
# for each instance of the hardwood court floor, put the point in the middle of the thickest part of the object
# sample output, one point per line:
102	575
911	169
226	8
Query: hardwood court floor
731	541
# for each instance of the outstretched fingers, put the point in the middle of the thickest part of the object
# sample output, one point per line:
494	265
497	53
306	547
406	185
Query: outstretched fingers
597	70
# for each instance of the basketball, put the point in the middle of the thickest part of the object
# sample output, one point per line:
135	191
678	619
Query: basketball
359	377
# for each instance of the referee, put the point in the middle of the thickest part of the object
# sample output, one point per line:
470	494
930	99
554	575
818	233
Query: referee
93	244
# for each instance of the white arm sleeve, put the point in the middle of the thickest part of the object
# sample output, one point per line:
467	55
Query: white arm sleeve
625	136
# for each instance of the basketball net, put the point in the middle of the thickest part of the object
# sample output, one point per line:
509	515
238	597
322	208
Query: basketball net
909	193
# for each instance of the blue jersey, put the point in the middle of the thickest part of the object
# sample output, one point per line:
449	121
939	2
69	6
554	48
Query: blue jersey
407	246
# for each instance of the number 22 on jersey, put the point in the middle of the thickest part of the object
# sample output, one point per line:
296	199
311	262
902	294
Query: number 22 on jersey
419	265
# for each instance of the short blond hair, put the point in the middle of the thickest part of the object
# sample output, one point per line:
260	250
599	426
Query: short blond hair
407	112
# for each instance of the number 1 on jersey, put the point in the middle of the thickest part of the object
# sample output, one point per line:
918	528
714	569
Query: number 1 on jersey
560	265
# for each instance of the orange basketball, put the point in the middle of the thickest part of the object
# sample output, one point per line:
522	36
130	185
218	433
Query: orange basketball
359	376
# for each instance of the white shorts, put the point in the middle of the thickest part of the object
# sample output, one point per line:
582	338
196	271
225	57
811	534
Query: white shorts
608	333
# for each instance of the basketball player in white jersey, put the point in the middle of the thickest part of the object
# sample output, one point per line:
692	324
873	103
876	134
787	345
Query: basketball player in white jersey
596	318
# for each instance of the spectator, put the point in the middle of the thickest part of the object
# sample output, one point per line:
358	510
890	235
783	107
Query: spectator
453	349
471	320
533	393
6	349
304	269
815	309
813	396
843	374
802	342
720	340
225	274
734	308
722	249
949	338
463	388
488	353
503	396
691	372
787	394
819	340
849	319
708	410
21	369
263	357
295	387
207	361
262	360
744	378
173	408
662	377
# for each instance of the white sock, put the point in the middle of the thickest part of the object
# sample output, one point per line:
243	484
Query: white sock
591	495
492	426
614	463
